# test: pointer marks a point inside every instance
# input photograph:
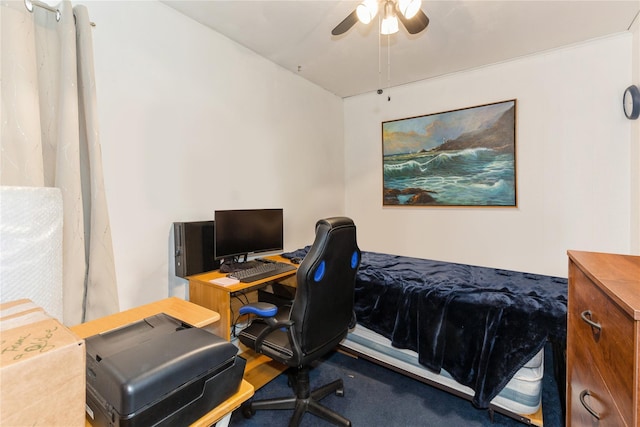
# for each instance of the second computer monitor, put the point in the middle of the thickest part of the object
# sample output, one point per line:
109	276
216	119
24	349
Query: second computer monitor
240	232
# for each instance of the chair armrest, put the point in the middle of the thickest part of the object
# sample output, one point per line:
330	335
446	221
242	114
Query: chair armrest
354	320
266	312
261	309
272	324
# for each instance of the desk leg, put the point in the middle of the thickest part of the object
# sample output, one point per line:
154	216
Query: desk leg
214	299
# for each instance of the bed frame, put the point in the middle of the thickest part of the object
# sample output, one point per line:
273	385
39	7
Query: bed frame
408	366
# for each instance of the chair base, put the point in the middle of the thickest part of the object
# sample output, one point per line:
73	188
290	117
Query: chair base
303	402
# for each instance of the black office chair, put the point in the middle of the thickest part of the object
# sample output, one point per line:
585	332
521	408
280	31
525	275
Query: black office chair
318	319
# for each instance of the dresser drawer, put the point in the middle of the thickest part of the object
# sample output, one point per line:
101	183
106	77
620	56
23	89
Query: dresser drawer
584	378
610	349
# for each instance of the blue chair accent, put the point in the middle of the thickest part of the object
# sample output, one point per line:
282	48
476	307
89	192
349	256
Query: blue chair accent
261	309
354	260
319	274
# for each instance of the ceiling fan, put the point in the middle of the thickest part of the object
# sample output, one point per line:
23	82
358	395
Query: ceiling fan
408	11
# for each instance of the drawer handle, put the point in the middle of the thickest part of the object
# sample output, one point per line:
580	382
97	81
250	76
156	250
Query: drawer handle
586	316
586	406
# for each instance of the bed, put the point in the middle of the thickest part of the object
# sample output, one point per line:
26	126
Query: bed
475	331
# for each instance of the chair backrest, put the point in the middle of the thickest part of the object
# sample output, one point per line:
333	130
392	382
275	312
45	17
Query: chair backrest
323	305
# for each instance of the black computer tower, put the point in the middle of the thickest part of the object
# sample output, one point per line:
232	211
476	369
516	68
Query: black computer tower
194	247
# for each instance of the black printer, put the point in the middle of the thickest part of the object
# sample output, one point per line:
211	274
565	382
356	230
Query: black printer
158	372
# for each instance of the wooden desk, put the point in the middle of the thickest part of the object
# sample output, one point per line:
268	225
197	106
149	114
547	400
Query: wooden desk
219	298
260	369
190	313
187	312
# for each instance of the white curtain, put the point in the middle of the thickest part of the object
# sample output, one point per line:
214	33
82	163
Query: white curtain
49	138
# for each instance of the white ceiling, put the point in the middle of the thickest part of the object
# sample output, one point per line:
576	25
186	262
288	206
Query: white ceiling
462	34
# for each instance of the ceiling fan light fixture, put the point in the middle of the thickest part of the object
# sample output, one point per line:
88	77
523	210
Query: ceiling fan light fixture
409	8
367	10
389	23
389	26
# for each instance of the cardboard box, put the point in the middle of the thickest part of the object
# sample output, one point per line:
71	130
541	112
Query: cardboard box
42	369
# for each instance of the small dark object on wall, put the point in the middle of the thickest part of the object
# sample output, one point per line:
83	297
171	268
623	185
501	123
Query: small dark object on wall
631	102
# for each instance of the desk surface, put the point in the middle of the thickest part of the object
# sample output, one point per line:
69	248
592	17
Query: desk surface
206	278
188	312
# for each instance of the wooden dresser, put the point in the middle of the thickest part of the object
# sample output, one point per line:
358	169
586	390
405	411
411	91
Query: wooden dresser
603	340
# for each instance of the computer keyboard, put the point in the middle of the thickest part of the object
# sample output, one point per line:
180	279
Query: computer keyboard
261	271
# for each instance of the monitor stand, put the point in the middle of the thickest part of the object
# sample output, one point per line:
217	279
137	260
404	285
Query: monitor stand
234	264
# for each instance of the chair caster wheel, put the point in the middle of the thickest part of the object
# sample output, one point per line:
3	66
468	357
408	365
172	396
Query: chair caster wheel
247	410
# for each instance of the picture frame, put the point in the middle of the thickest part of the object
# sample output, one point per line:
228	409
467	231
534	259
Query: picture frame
457	158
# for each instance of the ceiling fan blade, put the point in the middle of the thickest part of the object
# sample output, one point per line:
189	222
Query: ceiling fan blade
415	24
346	24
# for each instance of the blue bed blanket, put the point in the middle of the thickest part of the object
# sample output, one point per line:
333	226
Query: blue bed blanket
480	324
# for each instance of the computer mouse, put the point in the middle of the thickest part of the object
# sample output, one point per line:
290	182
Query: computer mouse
296	260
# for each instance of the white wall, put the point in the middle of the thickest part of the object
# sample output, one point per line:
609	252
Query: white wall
635	144
192	122
573	169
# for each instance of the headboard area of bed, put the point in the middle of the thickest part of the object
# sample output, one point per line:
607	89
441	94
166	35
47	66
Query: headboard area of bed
480	324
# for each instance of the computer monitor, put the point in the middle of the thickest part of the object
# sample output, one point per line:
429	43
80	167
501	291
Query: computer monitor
241	232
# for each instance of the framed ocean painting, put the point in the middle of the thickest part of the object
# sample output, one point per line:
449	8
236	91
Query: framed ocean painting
464	157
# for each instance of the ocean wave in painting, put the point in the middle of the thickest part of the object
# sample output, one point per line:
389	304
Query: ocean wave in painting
478	176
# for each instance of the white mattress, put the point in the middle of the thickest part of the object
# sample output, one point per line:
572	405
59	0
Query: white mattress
522	395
